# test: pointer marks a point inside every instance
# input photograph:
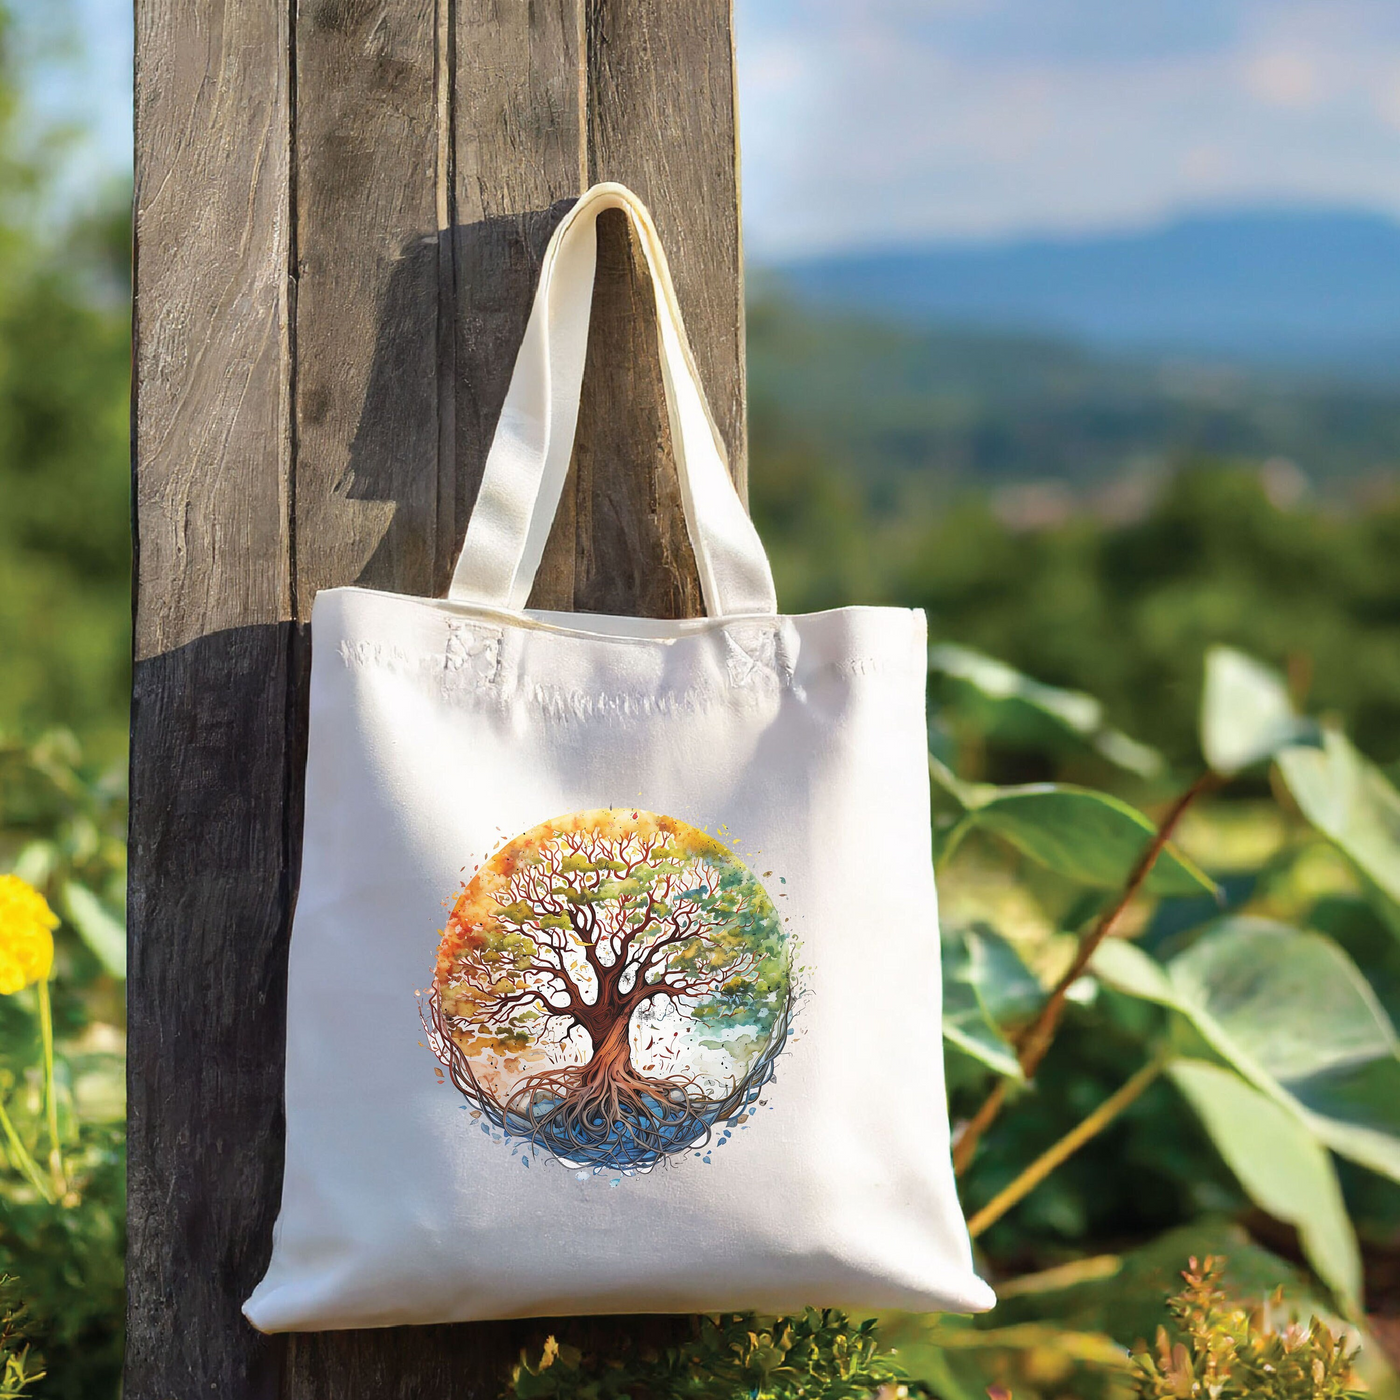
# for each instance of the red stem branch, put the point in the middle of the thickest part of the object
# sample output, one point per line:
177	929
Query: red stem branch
1035	1040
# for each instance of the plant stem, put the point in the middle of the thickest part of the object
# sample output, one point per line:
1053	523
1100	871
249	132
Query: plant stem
966	1143
1067	1146
23	1160
50	1101
1033	1042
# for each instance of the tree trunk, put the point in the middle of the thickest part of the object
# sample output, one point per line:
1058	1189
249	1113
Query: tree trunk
612	1050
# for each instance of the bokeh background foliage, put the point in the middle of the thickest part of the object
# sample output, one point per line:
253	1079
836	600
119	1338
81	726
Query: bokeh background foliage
1090	661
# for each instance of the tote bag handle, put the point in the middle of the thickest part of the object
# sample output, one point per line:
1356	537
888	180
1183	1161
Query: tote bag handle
534	439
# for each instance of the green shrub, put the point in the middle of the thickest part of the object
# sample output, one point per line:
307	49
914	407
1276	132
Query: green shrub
1223	1352
818	1356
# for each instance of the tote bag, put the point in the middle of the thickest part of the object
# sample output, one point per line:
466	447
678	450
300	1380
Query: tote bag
614	980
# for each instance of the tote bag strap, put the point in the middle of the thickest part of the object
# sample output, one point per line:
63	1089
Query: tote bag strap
534	439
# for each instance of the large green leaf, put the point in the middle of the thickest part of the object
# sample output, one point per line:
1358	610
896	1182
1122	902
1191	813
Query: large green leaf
1292	1013
1246	715
1010	706
1088	836
1280	1165
1350	801
985	987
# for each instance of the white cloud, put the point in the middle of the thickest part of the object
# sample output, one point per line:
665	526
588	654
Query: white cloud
876	121
1283	78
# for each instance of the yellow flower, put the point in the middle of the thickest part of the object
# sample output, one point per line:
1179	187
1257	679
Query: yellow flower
26	934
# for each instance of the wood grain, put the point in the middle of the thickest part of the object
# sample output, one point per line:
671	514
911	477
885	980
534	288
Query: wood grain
619	542
215	834
367	304
211	356
213	776
341	208
660	119
519	157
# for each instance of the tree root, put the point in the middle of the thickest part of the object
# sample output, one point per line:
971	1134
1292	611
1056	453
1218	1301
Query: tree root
605	1117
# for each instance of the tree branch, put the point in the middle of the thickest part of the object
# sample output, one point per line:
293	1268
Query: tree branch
1035	1040
1067	1146
514	1001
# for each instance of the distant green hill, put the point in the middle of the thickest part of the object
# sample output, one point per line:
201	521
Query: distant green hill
902	407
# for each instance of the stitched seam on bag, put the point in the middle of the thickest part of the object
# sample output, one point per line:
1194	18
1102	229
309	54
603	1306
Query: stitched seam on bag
359	655
557	702
856	666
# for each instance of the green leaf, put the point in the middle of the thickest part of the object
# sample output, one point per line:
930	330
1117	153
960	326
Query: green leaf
967	1026
985	986
1293	1014
1350	801
1280	1165
1008	705
1125	966
966	795
36	862
1290	1001
1088	836
1246	715
102	931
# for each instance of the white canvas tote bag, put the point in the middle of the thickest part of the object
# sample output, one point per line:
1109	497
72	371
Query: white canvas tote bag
614	977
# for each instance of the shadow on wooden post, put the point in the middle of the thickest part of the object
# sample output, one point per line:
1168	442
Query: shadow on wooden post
619	543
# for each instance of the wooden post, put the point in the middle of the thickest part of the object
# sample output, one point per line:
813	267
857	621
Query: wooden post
340	209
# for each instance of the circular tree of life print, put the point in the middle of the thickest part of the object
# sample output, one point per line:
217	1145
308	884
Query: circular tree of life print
610	986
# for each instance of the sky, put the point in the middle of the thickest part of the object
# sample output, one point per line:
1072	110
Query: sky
871	122
78	56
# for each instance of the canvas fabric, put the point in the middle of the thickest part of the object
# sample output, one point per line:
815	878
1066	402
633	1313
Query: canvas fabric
498	800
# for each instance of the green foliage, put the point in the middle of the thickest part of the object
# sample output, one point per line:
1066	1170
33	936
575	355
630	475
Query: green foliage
1092	838
1229	1353
64	531
1246	713
1268	999
986	987
818	1356
1350	801
1004	707
64	444
1121	608
902	407
62	827
1280	1165
20	1369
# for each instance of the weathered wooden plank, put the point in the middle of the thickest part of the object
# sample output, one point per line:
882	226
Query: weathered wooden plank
510	154
366	327
660	119
299	431
619	542
463	1361
210	317
215	825
519	152
213	811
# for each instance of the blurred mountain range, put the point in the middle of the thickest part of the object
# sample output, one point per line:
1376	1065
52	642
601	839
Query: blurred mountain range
1303	288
